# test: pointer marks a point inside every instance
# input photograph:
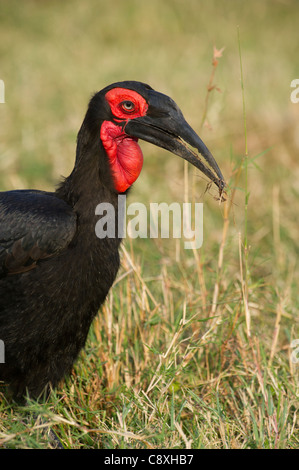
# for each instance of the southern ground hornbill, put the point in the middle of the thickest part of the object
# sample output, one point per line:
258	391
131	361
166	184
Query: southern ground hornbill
54	271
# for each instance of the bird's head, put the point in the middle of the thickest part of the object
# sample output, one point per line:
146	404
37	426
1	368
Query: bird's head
128	111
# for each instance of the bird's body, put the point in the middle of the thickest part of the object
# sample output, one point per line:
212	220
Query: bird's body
55	272
46	311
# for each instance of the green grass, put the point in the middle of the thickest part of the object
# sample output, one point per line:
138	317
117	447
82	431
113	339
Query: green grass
192	348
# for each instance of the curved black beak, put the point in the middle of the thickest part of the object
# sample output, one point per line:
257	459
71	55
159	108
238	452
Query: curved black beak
165	126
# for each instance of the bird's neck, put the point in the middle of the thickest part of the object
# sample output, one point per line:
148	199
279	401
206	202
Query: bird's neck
89	185
90	182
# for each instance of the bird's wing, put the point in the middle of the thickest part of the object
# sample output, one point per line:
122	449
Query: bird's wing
33	225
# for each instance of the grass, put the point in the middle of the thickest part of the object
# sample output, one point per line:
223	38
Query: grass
193	347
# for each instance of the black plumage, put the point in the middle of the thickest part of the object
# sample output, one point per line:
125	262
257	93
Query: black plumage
54	271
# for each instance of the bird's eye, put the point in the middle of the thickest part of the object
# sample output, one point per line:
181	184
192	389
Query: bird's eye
128	106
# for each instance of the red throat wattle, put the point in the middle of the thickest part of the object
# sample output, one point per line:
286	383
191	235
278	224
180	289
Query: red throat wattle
125	155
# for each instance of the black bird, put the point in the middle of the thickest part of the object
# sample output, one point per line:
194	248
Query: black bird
54	271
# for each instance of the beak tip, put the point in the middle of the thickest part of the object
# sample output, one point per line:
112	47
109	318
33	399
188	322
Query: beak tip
222	184
222	189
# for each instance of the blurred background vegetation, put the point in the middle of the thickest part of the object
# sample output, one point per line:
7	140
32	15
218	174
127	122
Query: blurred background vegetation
55	54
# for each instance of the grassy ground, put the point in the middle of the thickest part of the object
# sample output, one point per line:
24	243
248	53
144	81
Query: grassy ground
192	348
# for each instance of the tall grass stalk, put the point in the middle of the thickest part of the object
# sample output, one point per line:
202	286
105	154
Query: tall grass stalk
245	165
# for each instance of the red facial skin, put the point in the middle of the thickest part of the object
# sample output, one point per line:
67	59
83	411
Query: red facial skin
124	153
